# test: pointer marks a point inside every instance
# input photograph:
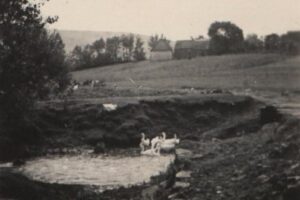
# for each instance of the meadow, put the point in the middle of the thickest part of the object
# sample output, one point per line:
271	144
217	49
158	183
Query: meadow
257	71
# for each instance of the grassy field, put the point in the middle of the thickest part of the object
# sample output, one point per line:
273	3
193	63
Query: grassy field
258	71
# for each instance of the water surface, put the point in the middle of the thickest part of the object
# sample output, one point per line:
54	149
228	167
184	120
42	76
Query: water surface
98	171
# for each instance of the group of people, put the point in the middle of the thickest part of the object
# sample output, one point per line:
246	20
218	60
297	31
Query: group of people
157	144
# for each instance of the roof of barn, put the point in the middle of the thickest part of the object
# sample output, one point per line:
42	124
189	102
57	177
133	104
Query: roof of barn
192	44
162	45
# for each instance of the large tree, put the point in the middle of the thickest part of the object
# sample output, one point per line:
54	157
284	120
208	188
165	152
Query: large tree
226	37
272	42
290	42
32	60
99	46
253	43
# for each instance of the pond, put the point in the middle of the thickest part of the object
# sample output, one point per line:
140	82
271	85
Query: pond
104	171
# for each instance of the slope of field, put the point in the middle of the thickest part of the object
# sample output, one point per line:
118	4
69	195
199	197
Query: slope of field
260	71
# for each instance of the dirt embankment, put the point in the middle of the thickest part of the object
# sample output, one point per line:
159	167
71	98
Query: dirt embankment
241	149
74	125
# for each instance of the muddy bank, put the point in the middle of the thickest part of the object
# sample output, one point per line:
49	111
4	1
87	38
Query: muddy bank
234	147
89	124
69	125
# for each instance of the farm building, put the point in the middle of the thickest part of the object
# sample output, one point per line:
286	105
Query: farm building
162	51
190	48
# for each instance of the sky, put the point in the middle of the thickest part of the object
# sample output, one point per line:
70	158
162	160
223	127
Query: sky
176	19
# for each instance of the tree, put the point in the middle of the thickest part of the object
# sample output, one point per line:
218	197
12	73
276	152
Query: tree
226	37
253	43
83	57
155	39
74	59
139	53
128	44
272	42
32	60
290	42
112	48
99	46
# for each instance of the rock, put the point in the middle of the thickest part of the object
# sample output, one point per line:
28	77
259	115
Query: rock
295	166
183	157
184	174
238	178
182	185
197	156
172	196
184	154
150	193
163	184
263	178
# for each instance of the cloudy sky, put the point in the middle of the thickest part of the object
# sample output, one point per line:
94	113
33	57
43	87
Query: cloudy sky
177	19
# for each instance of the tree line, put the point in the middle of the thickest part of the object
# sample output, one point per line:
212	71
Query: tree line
226	37
113	50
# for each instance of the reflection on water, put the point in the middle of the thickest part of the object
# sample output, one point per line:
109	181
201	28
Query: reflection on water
99	171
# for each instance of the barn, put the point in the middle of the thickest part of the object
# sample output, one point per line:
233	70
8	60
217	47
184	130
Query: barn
191	48
162	51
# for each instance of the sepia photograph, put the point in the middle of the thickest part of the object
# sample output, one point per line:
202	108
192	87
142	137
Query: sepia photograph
149	100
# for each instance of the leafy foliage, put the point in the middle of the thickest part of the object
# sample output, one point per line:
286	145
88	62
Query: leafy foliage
226	37
32	60
139	53
128	45
253	43
272	42
125	48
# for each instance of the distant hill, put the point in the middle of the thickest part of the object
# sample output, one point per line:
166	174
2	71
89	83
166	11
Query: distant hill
72	38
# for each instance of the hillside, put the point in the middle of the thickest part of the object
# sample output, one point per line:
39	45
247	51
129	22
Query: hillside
261	71
72	38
